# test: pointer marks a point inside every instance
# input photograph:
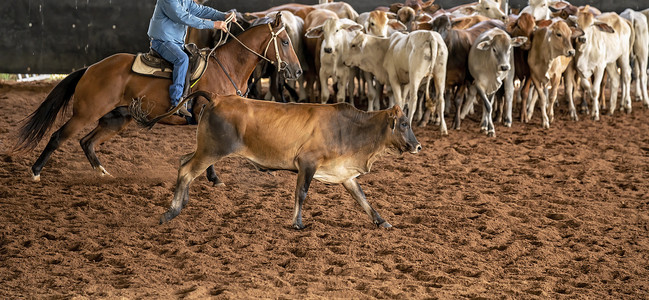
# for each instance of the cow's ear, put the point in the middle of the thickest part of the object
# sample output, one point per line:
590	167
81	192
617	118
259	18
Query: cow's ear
352	27
576	32
424	26
544	23
574	20
484	45
397	25
518	41
467	10
391	15
604	27
314	32
422	17
558	4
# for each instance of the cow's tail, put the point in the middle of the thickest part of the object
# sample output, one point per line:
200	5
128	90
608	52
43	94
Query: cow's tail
140	116
434	55
40	121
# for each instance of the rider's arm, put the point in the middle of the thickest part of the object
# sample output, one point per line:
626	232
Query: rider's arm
206	12
178	14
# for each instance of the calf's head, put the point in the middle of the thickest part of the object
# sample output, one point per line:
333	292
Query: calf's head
497	45
401	136
333	33
559	37
355	52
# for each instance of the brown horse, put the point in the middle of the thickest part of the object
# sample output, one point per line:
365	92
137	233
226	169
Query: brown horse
103	91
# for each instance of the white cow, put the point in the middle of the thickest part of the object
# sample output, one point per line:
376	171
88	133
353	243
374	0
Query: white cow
487	8
404	61
539	9
606	45
640	51
490	60
336	35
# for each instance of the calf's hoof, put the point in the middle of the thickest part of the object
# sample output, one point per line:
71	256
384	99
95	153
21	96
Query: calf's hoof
384	224
35	178
298	226
491	134
166	217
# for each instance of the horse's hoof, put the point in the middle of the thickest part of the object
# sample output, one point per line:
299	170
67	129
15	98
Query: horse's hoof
103	172
36	178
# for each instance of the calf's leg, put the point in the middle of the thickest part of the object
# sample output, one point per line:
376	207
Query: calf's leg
304	177
352	186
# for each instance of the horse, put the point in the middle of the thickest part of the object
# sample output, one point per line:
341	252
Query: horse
103	91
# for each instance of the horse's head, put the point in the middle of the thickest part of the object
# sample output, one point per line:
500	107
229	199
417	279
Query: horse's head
280	50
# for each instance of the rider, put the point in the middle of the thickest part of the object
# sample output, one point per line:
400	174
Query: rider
167	30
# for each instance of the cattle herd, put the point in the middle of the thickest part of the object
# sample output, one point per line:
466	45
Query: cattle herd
472	53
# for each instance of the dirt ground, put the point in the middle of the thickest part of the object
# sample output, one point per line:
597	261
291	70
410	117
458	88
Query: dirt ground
532	213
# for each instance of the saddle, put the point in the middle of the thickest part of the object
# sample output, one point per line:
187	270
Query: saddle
152	64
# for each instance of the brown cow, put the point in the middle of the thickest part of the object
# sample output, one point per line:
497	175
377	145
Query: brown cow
331	143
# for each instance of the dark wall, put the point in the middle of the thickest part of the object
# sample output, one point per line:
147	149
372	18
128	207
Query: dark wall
59	36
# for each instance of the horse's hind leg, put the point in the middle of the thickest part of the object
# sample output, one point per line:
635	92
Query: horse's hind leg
66	131
109	125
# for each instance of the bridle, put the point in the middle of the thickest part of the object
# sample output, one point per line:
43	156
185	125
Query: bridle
281	65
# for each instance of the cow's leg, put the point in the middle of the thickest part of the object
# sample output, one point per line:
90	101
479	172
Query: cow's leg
569	80
212	177
440	84
532	96
643	78
352	186
555	81
324	86
509	98
487	105
458	100
541	90
109	125
304	177
625	75
524	100
611	69
594	91
372	94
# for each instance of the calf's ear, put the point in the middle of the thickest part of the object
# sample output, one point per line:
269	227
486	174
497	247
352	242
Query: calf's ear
314	33
604	27
518	41
353	27
576	32
484	45
397	25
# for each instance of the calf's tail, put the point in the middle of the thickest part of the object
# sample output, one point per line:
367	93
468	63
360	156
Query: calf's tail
140	116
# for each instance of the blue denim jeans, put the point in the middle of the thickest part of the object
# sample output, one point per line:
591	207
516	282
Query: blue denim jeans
174	53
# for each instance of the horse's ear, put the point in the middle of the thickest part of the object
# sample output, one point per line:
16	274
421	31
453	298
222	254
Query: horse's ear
278	19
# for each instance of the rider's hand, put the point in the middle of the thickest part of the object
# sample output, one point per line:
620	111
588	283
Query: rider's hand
221	25
232	16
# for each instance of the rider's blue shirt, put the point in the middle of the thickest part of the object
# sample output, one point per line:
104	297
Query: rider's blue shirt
171	18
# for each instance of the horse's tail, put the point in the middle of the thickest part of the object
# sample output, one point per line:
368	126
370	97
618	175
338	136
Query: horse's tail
40	121
140	116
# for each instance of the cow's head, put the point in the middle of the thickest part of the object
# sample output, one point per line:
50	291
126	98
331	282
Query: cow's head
559	38
441	24
487	8
524	25
355	52
377	23
333	33
401	136
585	20
497	45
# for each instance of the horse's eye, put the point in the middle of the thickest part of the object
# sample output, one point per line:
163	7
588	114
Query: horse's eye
285	43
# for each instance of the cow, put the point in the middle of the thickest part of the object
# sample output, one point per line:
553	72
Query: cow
332	143
606	45
487	8
640	51
403	61
458	43
523	25
312	48
490	64
548	43
564	10
539	9
336	35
